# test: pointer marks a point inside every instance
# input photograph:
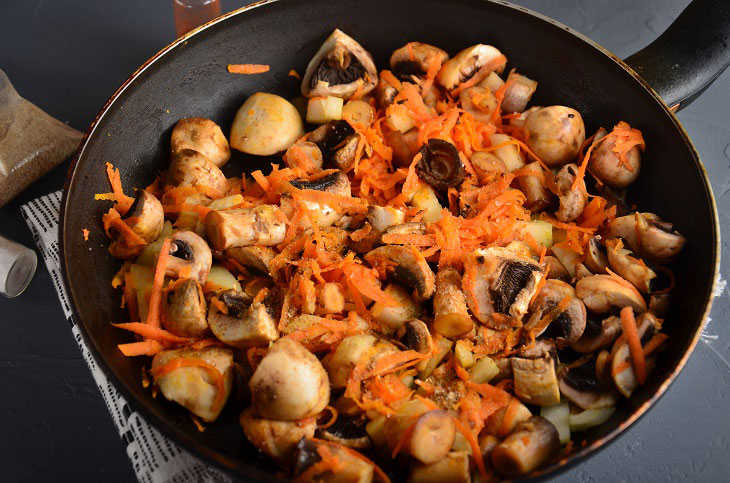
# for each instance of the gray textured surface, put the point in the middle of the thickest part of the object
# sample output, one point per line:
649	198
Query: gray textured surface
69	57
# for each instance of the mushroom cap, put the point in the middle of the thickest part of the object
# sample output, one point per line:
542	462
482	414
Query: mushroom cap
598	334
440	165
352	467
533	443
414	59
191	168
187	249
201	135
630	268
477	60
583	388
289	383
338	68
148	216
555	134
572	200
265	124
184	309
601	292
658	239
415	335
567	326
278	439
518	93
246	324
606	165
408	267
596	257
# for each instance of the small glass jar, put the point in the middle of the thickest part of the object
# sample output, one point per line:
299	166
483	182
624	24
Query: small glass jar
189	14
17	267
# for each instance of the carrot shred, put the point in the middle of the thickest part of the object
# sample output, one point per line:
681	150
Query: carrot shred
124	202
248	68
509	417
85	232
144	348
149	332
295	74
628	325
476	452
153	313
405	439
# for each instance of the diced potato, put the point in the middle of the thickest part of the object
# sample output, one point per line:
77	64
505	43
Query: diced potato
509	154
484	370
324	109
376	431
589	418
464	355
148	256
492	82
541	231
426	367
398	117
392	317
142	279
220	279
425	199
559	415
358	112
226	203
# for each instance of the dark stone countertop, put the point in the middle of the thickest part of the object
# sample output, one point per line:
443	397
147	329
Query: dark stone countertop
69	56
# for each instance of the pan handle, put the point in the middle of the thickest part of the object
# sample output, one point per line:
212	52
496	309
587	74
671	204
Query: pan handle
689	55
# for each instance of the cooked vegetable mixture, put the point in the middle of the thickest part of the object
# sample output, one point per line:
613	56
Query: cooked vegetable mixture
436	275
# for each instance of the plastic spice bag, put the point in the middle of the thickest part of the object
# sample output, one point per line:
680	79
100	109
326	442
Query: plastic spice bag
31	142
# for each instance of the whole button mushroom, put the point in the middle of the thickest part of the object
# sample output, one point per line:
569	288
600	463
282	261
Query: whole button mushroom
289	383
607	165
266	124
555	134
202	135
191	168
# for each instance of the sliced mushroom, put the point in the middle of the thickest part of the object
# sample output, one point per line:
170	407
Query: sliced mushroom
494	423
538	196
193	169
499	280
536	381
518	93
582	387
338	142
432	436
596	257
451	317
630	268
183	308
404	146
339	68
475	61
398	424
394	316
622	369
201	135
254	257
572	200
320	213
415	336
146	217
406	266
487	163
565	326
189	252
598	334
351	468
414	59
382	217
348	431
648	235
606	164
289	383
556	269
440	165
532	444
193	386
246	323
555	134
385	92
261	225
278	439
601	292
349	352
454	468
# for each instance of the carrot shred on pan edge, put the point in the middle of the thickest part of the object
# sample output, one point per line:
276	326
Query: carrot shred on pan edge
628	325
248	68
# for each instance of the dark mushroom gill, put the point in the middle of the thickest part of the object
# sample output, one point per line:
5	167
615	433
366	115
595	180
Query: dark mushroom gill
440	165
514	277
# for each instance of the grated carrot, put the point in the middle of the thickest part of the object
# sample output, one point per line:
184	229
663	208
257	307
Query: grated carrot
628	325
144	348
248	68
153	313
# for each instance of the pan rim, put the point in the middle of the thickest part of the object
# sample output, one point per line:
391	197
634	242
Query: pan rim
237	467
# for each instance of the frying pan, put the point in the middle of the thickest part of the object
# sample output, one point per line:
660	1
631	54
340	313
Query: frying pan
189	78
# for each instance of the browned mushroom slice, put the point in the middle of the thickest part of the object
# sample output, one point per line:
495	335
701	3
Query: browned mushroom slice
277	439
648	235
628	267
596	257
572	200
192	169
475	61
454	468
184	309
415	336
254	257
598	334
260	225
145	216
393	316
347	431
536	381
414	59
499	280
440	165
352	468
432	436
201	135
582	387
339	68
622	369
320	213
518	93
193	386
556	269
406	266
188	251
246	323
566	325
532	444
451	317
601	292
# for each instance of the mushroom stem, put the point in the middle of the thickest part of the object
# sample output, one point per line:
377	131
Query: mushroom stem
451	317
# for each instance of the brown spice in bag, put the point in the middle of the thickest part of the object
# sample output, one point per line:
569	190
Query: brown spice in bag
31	142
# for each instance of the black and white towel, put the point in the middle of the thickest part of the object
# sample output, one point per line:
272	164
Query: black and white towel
155	458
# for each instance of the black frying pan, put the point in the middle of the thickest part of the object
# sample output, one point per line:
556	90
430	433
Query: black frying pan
189	78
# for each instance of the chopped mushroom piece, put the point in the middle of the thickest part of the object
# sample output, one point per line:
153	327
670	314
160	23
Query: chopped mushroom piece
518	93
189	252
349	352
278	439
350	468
606	164
193	169
415	336
184	309
260	225
565	326
289	383
596	256
245	323
598	334
601	292
581	385
146	217
201	135
414	59
480	102
622	370
382	217
630	268
454	468
451	317
493	425
394	316
536	381
266	124
648	235
532	444
405	265
193	386
538	196
476	61
432	436
339	68
572	200
254	257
